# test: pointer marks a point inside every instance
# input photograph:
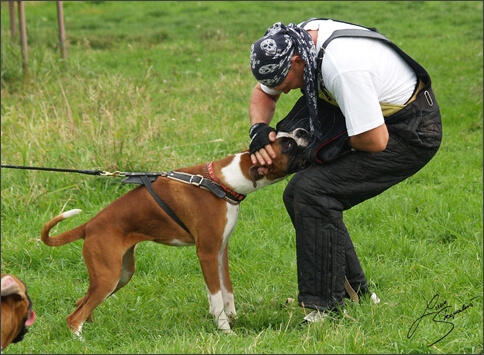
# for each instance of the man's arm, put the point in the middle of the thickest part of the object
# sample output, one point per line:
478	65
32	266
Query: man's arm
374	140
261	110
262	106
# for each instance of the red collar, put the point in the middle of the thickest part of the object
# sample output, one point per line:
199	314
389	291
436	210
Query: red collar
234	195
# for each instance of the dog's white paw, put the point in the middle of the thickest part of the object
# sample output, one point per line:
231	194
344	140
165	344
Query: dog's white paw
228	332
77	334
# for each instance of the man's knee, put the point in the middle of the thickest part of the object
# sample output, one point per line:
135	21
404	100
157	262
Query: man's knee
288	199
297	193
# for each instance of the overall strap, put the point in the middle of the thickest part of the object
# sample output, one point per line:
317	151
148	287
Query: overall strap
373	33
330	19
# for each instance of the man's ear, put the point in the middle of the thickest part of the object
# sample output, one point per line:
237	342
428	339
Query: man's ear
296	58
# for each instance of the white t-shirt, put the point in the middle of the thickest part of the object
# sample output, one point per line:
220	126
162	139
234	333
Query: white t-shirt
361	73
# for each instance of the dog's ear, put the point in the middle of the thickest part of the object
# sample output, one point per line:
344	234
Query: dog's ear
257	173
9	286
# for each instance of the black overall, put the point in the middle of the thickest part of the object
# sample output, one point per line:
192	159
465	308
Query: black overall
316	197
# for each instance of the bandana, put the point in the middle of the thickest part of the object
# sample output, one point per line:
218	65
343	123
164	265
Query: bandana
270	61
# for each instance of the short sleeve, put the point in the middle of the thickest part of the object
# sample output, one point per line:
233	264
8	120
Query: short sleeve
270	91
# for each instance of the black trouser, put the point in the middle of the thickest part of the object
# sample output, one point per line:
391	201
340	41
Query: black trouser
316	197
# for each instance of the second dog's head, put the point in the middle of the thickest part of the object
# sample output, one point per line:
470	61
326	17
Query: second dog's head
17	313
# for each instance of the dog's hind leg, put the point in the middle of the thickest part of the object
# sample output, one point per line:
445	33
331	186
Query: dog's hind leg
85	306
128	268
104	263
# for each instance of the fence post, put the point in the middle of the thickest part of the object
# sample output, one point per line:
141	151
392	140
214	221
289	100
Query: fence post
23	34
11	10
62	33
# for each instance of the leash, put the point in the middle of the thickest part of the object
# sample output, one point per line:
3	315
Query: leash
145	179
88	172
213	184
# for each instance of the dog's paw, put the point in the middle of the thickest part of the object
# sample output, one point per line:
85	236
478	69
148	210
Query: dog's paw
228	332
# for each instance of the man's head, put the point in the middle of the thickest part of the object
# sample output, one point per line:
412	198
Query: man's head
272	56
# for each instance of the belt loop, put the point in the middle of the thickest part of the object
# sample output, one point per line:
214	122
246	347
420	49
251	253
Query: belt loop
428	98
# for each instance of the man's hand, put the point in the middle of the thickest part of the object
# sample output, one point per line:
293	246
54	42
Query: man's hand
260	148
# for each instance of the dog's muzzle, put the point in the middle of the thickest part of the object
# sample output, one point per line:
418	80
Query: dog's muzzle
294	144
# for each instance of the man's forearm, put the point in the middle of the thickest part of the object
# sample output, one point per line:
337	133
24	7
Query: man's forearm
262	106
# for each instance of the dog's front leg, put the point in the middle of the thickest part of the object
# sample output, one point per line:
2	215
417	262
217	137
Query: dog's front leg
227	290
208	255
217	310
225	281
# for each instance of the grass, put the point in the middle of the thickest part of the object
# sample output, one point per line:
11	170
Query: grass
152	86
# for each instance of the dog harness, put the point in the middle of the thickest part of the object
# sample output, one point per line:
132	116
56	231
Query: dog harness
211	184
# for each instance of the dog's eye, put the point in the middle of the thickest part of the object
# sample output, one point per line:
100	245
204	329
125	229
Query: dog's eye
287	144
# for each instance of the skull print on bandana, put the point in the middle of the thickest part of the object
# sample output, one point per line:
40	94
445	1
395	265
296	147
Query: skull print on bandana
270	60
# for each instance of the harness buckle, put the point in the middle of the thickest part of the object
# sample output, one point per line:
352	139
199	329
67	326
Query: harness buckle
196	183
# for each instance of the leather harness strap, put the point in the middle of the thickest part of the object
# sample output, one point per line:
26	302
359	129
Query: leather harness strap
212	184
197	180
168	210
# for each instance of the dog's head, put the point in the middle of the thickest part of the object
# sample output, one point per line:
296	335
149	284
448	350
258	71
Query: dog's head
17	313
290	148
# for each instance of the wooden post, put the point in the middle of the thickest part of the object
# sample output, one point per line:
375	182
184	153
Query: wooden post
23	34
62	33
11	10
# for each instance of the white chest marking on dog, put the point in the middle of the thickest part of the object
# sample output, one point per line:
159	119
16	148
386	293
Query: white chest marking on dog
238	181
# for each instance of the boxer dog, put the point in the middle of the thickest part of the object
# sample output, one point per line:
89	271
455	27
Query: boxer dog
17	313
203	206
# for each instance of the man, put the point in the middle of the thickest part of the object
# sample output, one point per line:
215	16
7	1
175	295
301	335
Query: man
373	121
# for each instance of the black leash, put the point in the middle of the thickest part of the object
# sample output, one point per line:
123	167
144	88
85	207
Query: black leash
90	172
146	179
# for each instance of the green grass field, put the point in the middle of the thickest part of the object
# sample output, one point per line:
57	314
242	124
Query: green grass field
153	86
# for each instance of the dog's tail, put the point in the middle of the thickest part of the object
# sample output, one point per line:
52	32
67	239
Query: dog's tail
63	238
